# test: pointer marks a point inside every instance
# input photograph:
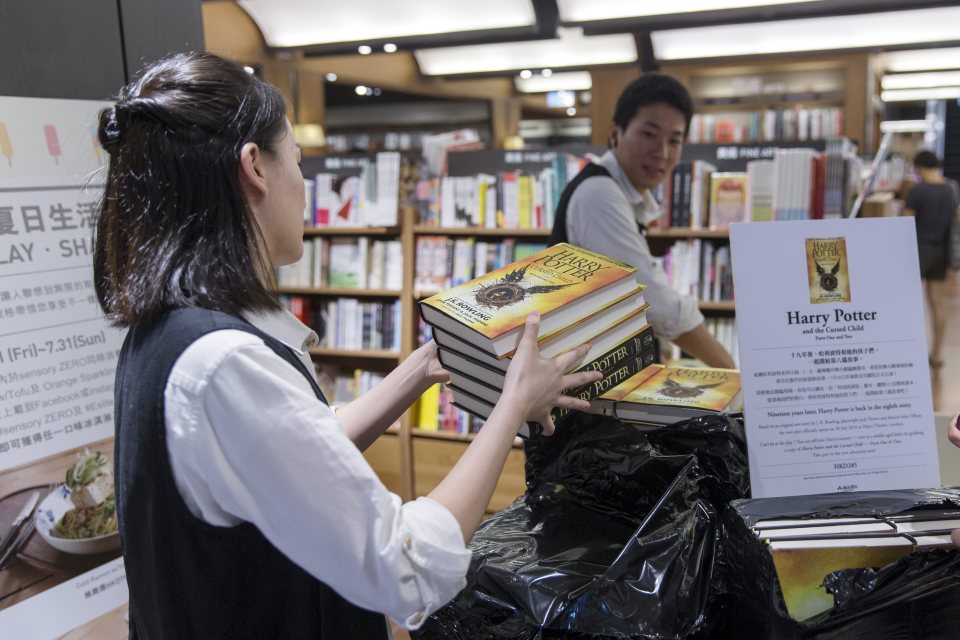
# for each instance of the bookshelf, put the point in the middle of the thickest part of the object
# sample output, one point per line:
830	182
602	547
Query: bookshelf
741	91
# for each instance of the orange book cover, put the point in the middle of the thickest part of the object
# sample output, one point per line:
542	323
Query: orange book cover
827	270
692	387
631	383
560	278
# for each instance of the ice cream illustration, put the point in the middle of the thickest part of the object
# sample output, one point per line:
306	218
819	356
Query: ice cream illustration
6	147
53	143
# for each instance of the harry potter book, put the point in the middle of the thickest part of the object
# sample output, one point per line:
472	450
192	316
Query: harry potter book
573	290
486	389
805	551
666	394
827	270
627	337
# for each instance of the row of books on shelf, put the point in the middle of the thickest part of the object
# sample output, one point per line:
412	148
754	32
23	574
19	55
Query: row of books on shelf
769	125
724	329
699	268
349	263
502	200
356	192
443	262
796	184
348	323
583	298
342	385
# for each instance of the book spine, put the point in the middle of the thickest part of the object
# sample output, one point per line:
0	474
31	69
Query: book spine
611	378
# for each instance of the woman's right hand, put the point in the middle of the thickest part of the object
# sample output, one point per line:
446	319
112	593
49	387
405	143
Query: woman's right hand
953	431
537	383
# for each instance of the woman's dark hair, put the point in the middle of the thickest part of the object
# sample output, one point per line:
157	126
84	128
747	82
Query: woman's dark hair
651	88
926	160
174	229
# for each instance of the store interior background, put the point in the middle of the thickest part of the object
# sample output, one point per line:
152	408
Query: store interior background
66	49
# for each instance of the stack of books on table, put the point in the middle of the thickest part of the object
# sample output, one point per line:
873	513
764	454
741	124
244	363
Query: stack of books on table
581	296
661	395
806	550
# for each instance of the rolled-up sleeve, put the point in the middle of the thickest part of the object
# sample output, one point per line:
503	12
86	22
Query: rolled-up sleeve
600	218
250	442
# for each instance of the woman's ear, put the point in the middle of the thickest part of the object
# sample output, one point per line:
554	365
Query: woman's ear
251	172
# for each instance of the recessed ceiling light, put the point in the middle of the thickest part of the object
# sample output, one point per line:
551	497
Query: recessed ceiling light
364	50
390	47
377	92
546	73
884	29
361	90
569	49
249	70
331	77
571	111
526	74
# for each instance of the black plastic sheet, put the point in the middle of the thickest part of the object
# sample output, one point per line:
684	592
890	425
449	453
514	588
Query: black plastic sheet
617	537
917	597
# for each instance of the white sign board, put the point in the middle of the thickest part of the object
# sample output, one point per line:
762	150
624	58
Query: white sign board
57	353
833	356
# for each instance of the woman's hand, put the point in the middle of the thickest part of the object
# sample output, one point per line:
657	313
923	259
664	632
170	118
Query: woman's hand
953	431
537	383
432	369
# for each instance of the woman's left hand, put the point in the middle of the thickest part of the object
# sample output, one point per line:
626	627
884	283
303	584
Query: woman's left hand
433	370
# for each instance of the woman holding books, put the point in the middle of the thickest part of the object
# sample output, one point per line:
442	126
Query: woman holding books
246	507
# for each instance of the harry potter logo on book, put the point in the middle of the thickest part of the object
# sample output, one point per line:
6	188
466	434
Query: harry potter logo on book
827	269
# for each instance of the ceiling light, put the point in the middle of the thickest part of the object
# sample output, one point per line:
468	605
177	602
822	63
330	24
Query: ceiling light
526	74
903	126
364	50
569	81
809	34
591	10
248	69
917	95
377	92
922	59
331	77
570	49
361	90
571	111
546	73
390	47
921	80
295	23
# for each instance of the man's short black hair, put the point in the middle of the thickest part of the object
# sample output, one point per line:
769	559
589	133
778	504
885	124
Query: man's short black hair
651	88
926	160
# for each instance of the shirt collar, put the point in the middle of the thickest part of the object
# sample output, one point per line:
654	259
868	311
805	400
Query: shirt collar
646	208
285	327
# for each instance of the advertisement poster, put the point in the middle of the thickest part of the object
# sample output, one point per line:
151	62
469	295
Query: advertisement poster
833	356
57	361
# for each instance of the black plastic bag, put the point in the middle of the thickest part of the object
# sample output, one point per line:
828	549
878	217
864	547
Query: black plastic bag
617	536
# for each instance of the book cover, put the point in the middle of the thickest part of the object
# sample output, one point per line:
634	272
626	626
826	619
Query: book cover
704	388
728	199
562	283
827	270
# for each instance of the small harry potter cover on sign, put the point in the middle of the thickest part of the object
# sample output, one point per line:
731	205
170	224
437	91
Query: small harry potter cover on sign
827	269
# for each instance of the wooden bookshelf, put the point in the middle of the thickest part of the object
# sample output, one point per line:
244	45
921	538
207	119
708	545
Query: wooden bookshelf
427	230
351	231
340	292
367	354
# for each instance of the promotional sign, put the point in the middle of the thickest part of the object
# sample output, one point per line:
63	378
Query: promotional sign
58	357
833	356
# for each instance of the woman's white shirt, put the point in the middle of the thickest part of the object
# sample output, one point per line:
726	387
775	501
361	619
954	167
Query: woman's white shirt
248	440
